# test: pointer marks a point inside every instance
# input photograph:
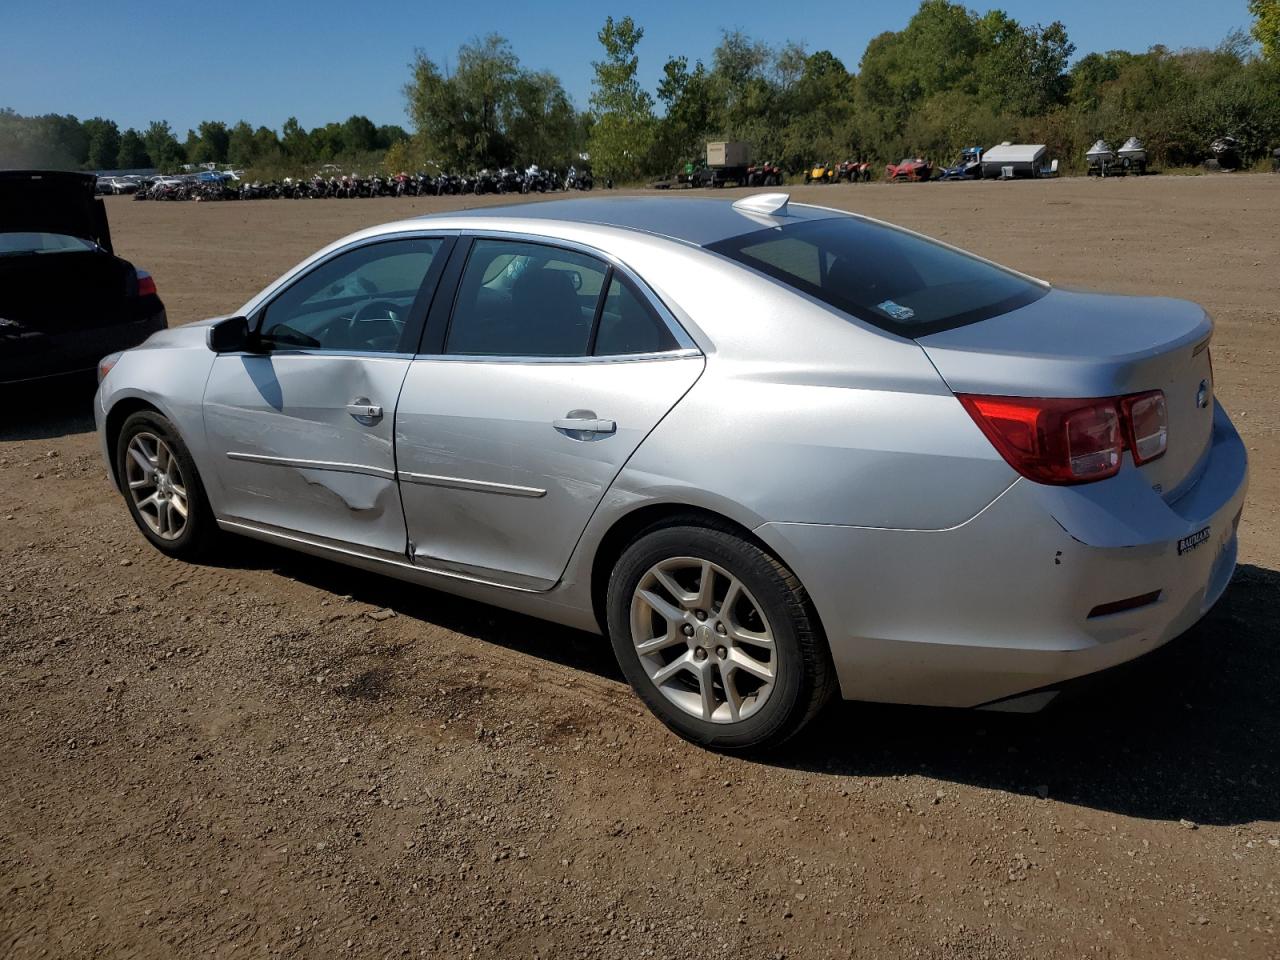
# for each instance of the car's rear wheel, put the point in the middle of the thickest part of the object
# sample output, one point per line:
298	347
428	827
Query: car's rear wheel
717	637
162	487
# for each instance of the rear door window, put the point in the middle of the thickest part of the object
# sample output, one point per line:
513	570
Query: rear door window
520	299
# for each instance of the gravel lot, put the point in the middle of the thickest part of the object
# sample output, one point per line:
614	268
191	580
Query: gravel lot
283	757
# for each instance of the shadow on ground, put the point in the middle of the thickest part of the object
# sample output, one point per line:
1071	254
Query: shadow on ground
1191	731
58	408
527	635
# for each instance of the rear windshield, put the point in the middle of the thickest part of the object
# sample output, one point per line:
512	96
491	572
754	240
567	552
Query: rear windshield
895	280
18	244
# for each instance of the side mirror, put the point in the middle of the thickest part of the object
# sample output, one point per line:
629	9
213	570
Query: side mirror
233	335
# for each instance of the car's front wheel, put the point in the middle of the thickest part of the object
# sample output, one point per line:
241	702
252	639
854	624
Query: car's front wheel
162	488
717	637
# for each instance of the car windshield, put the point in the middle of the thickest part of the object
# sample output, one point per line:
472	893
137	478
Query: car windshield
893	279
19	243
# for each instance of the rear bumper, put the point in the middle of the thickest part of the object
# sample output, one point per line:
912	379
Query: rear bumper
31	357
1001	604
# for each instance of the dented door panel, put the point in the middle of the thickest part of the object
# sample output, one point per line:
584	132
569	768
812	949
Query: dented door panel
290	453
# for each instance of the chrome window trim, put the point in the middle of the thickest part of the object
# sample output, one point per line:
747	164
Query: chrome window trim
681	354
479	486
313	352
685	344
381	473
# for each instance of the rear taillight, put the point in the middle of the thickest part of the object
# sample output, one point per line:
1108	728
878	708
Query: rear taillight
1058	441
1147	423
146	284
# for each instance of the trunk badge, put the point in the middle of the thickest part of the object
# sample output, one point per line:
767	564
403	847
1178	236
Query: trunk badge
1202	395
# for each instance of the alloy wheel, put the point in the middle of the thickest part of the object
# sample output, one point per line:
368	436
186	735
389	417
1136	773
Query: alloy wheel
703	640
156	485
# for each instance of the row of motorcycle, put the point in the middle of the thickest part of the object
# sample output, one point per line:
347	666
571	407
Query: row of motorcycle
533	179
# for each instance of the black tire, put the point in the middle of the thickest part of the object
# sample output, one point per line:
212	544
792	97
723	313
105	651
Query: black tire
804	674
201	534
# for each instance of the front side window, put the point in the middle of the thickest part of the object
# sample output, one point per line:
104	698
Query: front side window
357	302
888	277
525	300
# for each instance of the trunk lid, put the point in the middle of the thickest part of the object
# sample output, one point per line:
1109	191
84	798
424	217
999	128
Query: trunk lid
1086	345
53	201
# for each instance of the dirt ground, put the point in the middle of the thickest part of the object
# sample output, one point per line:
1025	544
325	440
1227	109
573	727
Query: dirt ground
255	760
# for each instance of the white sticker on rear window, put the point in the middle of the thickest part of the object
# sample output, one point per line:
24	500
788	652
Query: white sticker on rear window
896	310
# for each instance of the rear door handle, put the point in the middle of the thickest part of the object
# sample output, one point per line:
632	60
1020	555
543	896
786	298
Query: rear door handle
593	426
363	411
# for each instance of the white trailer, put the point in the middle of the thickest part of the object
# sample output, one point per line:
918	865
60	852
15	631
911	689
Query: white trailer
1010	160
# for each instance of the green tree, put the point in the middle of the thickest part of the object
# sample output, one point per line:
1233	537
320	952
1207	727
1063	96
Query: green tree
688	111
104	143
295	142
51	141
1021	70
1266	26
485	81
359	135
462	118
212	141
162	146
623	132
133	151
265	142
242	148
490	112
389	134
543	124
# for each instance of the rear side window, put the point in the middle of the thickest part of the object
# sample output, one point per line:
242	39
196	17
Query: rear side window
629	325
884	276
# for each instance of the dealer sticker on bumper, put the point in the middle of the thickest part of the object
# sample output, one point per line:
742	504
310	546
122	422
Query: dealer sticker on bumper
1194	540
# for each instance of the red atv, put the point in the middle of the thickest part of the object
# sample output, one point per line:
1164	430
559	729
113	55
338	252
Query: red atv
910	168
767	174
854	170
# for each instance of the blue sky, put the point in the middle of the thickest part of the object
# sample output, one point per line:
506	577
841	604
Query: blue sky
323	60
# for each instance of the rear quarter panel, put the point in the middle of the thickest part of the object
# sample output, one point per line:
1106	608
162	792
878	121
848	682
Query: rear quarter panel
805	416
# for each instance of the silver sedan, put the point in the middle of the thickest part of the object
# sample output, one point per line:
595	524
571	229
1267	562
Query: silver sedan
770	450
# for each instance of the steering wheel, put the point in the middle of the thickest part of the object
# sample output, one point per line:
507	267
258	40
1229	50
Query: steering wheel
390	311
375	325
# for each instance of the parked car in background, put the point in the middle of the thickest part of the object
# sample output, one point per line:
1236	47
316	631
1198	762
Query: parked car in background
770	450
65	299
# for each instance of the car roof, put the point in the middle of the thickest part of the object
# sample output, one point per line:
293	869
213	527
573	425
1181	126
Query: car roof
696	220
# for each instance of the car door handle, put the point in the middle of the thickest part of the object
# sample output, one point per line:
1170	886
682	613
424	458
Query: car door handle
593	426
363	411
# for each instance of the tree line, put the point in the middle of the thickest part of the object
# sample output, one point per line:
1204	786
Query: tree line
950	78
55	141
